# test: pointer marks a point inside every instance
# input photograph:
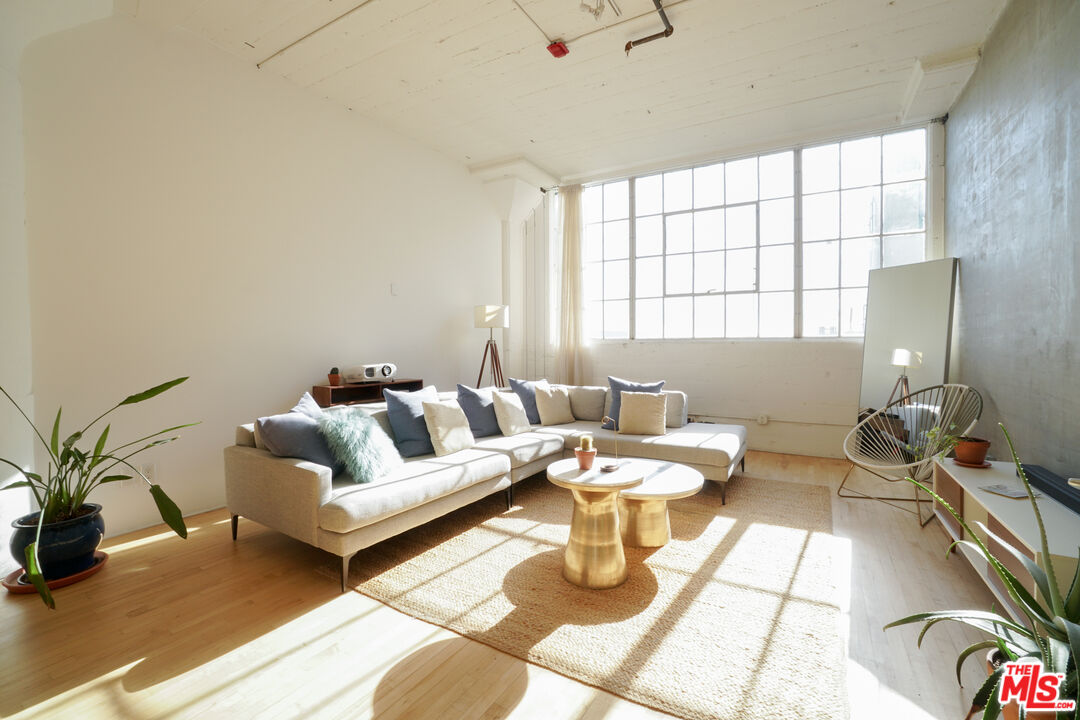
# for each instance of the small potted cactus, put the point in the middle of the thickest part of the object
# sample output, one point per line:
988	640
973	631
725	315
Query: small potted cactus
586	452
334	376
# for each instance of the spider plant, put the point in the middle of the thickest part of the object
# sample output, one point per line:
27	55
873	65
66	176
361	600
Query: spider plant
1050	631
73	473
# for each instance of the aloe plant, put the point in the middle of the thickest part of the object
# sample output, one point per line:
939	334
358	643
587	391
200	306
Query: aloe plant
74	473
1050	631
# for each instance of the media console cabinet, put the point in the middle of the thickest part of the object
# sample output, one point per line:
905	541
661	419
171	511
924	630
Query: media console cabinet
356	393
1010	519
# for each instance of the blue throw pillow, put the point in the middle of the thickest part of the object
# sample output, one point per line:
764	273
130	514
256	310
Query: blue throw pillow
526	390
295	434
360	443
619	385
406	413
479	408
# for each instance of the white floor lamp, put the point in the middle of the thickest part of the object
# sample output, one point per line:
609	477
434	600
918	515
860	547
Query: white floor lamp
903	359
491	317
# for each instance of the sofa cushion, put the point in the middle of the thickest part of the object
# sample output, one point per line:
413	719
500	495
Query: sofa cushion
414	483
448	427
695	443
406	412
617	387
553	404
510	413
587	402
360	444
642	413
480	409
526	447
526	390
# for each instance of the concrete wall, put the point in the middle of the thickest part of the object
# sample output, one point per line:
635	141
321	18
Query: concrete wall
1013	219
191	215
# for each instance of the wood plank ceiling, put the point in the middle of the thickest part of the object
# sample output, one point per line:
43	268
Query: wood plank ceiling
472	78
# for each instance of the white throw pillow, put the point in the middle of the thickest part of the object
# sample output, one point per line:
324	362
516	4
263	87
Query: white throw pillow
448	427
553	404
588	402
510	413
642	413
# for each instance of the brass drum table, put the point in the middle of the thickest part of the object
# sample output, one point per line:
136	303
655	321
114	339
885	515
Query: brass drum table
594	553
643	511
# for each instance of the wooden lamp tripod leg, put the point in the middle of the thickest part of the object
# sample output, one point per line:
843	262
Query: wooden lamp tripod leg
496	365
480	377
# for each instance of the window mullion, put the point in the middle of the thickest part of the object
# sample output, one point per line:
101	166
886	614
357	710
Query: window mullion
633	258
798	249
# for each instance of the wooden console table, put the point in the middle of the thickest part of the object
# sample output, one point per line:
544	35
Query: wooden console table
354	393
1012	520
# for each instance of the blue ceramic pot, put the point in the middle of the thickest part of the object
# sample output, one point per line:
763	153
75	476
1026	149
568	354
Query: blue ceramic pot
66	547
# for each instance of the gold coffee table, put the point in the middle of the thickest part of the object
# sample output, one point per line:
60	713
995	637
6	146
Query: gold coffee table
594	553
643	511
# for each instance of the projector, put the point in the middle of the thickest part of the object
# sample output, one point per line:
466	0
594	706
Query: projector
379	372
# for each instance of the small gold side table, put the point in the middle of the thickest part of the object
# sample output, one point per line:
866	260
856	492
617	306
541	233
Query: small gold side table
643	511
594	552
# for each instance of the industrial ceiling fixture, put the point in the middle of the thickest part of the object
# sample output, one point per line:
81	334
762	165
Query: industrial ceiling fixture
560	48
598	10
666	32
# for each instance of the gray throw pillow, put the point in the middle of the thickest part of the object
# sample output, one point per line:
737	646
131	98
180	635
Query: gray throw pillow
618	385
479	409
406	413
296	435
526	390
360	443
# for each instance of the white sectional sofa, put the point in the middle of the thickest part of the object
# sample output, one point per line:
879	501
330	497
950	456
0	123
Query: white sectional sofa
305	501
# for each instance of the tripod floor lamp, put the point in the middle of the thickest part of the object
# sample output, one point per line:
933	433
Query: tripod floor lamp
491	317
904	359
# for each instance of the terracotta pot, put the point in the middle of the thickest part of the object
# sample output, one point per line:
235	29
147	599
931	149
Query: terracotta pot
334	379
585	458
972	450
1012	710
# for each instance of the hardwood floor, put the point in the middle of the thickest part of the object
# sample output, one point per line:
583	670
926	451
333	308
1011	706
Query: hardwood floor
206	628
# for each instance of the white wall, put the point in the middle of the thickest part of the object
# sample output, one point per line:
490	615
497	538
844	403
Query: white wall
189	215
20	24
809	389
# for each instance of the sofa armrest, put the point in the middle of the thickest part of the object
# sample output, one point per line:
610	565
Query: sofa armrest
676	408
282	493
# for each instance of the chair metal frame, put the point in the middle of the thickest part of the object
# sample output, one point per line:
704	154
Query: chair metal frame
929	416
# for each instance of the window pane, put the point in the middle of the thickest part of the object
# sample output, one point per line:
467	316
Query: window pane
680	274
777	267
616	240
742	226
709	185
857	258
821	168
777	222
709	272
741	270
649	319
777	175
821	311
592	204
680	233
709	230
617	319
594	243
777	314
616	280
903	249
852	311
821	265
860	162
678	317
709	316
592	277
742	315
617	200
860	212
649	280
650	236
741	180
904	156
594	319
821	216
649	195
677	190
905	207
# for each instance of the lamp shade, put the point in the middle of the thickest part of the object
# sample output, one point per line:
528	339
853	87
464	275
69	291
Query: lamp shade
492	316
906	358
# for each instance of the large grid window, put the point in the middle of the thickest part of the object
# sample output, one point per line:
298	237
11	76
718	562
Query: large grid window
771	246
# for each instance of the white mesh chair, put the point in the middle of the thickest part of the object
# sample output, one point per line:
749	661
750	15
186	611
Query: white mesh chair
902	439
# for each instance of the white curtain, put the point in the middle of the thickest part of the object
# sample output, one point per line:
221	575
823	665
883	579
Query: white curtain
570	357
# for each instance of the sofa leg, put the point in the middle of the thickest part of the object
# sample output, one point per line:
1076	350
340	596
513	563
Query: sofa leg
509	492
235	521
723	493
345	571
742	464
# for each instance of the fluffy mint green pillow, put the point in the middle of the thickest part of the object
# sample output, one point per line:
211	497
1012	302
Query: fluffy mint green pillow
360	444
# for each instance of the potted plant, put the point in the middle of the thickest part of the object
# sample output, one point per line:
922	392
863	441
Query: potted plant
334	376
60	539
971	450
585	452
1050	632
